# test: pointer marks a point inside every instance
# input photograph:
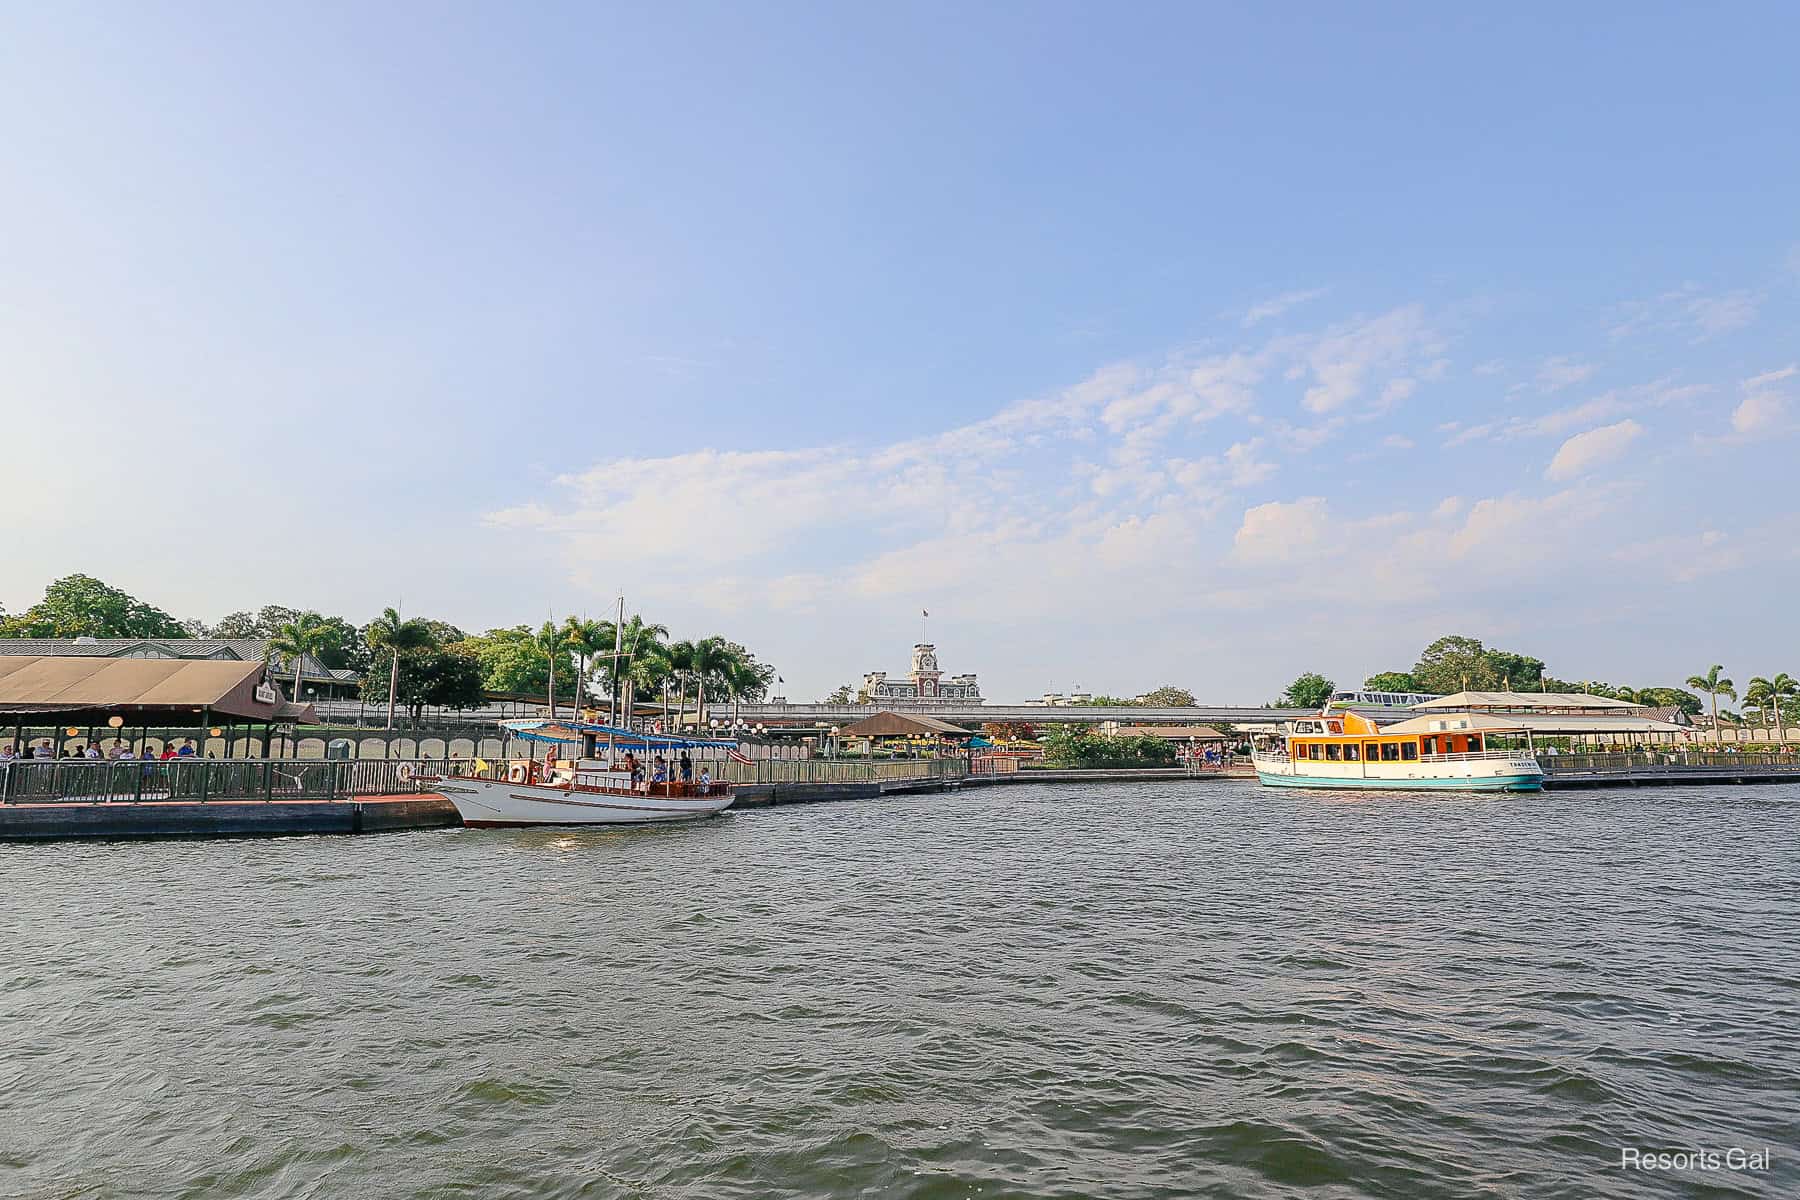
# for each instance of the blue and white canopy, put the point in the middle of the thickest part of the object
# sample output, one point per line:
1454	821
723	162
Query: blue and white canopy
577	731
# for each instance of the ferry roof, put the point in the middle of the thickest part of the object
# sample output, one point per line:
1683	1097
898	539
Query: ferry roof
1526	701
1463	722
575	731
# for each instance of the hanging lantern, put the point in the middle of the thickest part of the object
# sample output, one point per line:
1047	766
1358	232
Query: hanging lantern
71	731
215	732
115	721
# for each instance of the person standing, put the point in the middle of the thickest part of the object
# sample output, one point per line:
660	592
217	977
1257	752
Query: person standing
687	768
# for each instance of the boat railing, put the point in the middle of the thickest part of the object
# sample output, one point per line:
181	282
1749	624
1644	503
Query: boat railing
1475	756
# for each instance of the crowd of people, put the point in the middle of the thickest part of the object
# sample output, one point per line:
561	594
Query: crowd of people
661	771
121	749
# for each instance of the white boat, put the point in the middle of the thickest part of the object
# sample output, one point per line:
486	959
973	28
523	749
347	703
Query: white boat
1441	751
585	791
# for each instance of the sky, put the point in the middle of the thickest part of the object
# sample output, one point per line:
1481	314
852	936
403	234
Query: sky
1138	344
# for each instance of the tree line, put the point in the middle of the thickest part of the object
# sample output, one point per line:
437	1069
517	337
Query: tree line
419	661
1462	664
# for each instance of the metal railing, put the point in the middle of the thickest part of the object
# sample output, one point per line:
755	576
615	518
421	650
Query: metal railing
1475	756
1671	762
827	770
206	780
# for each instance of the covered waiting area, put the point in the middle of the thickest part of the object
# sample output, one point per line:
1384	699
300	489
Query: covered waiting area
66	701
893	726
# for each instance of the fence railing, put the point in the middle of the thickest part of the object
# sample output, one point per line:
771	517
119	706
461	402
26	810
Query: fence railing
205	780
1670	761
828	770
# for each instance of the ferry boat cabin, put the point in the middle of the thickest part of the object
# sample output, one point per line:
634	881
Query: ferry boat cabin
1347	737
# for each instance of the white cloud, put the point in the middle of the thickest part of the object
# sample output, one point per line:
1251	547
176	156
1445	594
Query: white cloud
1275	306
1764	408
1585	451
1397	441
1763	412
1280	531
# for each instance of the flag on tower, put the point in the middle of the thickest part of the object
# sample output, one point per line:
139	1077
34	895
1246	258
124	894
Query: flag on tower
923	613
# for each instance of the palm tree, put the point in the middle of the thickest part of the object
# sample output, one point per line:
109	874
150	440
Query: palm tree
744	678
397	637
586	638
681	667
648	671
305	634
1714	685
1782	688
635	637
552	643
709	659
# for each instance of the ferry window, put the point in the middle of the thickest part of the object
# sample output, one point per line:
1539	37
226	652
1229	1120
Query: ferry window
1314	751
1333	752
1409	752
1371	752
1351	753
1390	752
1431	745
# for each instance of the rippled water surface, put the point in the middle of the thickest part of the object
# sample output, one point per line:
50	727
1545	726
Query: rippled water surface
1151	990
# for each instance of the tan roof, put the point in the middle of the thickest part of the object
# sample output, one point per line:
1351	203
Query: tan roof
55	683
1448	722
1523	700
892	724
1200	733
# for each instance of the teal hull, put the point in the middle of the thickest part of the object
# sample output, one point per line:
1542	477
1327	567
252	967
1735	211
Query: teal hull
1497	783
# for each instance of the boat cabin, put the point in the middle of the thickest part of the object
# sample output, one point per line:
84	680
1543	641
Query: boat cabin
1349	737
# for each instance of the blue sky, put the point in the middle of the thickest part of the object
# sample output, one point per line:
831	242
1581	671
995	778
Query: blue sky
1158	345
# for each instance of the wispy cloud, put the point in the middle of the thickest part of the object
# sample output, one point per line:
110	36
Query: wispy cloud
1689	310
1764	408
1560	372
1275	306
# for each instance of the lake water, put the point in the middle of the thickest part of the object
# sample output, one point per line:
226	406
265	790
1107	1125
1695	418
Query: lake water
1154	990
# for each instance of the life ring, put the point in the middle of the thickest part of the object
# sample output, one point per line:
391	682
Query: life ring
405	772
517	773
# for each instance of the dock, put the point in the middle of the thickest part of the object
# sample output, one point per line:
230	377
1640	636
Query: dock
268	798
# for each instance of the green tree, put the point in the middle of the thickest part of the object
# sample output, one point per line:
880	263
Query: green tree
445	676
1769	696
586	639
1455	664
638	637
843	693
1078	745
511	662
710	657
681	668
305	634
553	644
391	635
1392	681
82	606
1167	696
1310	690
1713	684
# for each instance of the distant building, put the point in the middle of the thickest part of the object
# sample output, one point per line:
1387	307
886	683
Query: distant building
924	684
321	679
1058	700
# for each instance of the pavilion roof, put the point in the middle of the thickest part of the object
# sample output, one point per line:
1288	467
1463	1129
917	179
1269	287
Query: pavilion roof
89	686
893	724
